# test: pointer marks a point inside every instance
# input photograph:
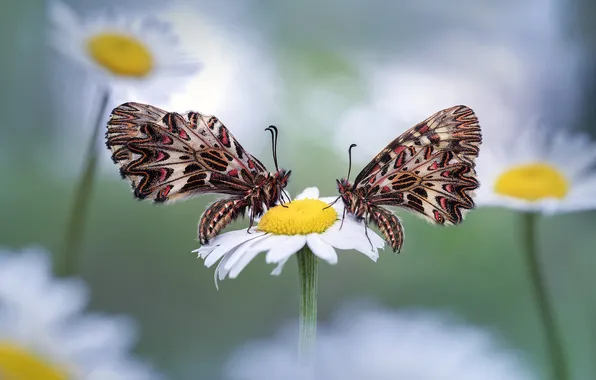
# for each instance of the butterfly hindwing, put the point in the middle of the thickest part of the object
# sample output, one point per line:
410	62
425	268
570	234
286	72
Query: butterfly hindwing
429	169
168	156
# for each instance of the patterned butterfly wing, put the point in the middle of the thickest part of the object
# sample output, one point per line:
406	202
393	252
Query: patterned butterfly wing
169	156
429	169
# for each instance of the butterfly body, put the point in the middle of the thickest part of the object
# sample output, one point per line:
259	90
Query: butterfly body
168	156
429	170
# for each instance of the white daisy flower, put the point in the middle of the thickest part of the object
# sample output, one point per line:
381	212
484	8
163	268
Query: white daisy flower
124	52
383	345
544	170
283	231
45	335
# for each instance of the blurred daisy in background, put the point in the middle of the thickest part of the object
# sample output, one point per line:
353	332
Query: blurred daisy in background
538	169
127	52
44	333
380	344
176	57
283	231
131	56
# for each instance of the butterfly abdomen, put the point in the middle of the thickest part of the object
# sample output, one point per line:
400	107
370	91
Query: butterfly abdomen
218	216
389	225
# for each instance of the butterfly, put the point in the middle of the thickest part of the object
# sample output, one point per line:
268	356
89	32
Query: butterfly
429	169
168	156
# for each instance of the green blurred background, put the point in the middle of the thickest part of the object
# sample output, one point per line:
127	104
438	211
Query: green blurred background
136	256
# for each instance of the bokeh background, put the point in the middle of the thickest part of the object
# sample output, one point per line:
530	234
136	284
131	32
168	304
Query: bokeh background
327	74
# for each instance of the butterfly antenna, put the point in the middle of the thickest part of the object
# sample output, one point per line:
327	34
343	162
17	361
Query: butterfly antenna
274	133
350	160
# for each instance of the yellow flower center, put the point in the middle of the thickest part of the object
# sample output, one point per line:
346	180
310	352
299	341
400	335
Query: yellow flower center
19	364
532	182
301	217
121	54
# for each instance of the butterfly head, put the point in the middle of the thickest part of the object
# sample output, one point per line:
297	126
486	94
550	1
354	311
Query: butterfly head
345	188
346	192
273	187
282	177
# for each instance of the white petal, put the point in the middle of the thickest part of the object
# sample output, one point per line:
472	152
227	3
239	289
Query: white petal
352	236
309	193
286	248
241	251
227	244
243	262
280	266
220	272
263	245
321	249
62	16
45	314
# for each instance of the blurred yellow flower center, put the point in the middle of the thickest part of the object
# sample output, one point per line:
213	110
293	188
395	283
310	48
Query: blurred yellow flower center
18	364
120	54
301	217
532	182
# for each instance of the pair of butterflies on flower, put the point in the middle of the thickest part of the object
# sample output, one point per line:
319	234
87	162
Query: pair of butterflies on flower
168	156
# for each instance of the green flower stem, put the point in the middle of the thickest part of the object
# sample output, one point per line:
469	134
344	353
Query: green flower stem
545	308
67	263
307	268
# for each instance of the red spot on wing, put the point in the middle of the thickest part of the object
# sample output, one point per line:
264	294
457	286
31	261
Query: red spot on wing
434	166
438	217
183	134
423	129
449	187
385	189
160	156
225	140
399	161
166	191
251	164
443	203
233	173
446	174
399	149
163	174
166	140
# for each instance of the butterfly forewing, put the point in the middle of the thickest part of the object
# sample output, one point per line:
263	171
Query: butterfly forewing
429	170
169	156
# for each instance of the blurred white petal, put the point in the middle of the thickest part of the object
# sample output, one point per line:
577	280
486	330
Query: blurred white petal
380	344
44	316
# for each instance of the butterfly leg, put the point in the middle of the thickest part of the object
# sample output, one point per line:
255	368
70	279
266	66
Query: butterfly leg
372	247
281	198
342	219
251	223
